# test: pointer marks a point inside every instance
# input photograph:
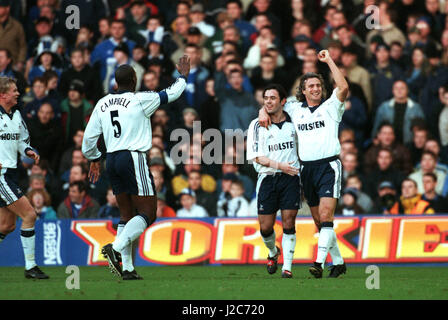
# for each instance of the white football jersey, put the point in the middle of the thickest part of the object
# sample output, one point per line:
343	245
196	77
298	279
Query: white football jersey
317	131
279	143
124	120
14	138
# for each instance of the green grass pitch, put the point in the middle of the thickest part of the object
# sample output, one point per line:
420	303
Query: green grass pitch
227	283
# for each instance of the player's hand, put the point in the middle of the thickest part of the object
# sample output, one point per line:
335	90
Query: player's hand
324	56
33	155
263	118
287	168
94	172
183	66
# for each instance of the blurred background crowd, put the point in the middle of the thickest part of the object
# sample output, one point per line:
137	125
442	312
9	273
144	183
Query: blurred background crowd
394	132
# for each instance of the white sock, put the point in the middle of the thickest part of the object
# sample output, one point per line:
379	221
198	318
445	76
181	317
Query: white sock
334	251
269	241
288	246
28	238
131	231
126	253
324	242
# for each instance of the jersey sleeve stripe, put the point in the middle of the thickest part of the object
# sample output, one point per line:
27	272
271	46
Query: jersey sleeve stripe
256	137
163	97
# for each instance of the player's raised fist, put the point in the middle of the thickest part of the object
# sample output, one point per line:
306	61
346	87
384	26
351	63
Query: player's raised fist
324	56
183	66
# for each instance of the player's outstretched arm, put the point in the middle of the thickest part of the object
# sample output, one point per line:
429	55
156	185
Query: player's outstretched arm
285	167
263	118
341	83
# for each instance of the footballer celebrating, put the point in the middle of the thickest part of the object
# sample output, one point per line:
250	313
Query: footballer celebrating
14	139
316	121
124	120
275	157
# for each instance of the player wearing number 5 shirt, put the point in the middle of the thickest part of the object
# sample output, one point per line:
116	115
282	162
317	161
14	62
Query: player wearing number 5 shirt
316	122
124	120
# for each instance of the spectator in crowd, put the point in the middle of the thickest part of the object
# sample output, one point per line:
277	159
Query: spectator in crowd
443	121
194	37
355	117
180	182
82	71
363	200
388	30
416	73
384	74
66	157
399	111
411	201
385	138
41	202
136	18
110	209
265	40
237	206
238	107
233	168
6	69
197	16
267	73
76	111
349	165
195	91
435	200
37	97
349	206
235	11
428	164
121	56
104	50
78	204
189	207
420	135
45	61
163	209
357	74
384	171
210	110
77	158
386	197
207	200
12	36
46	134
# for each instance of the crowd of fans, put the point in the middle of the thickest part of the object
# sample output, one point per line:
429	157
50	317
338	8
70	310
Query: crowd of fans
394	132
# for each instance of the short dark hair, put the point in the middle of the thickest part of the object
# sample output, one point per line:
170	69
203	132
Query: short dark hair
299	94
8	53
124	74
238	2
80	184
279	88
430	153
432	175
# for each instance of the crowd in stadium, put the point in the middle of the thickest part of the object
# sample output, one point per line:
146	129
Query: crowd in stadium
393	135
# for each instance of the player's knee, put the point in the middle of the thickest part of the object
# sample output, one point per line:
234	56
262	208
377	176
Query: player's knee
288	224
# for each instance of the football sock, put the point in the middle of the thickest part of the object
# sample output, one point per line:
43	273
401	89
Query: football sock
288	245
269	241
131	231
2	237
126	254
28	238
334	251
324	242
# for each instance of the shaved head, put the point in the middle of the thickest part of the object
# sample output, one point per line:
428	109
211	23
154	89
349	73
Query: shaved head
125	77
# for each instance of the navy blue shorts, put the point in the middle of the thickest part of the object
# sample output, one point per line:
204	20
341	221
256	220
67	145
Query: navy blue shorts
129	173
279	191
9	189
320	179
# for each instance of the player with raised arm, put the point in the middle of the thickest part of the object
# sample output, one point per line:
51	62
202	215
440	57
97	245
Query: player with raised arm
124	120
14	139
275	157
316	122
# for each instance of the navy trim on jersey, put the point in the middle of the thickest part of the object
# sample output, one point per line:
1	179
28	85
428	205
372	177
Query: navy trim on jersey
280	124
329	159
163	97
312	109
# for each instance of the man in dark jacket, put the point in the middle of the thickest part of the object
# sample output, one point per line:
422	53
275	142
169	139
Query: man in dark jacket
78	204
